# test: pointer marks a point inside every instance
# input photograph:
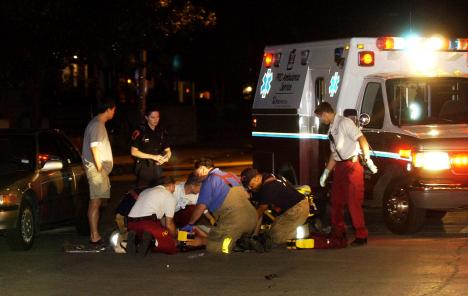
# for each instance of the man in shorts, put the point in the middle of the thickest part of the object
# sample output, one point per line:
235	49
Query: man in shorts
98	162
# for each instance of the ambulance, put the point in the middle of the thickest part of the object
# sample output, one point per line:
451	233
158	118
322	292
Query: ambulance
410	97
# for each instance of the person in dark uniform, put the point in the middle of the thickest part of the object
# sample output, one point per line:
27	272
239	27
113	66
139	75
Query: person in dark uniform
151	150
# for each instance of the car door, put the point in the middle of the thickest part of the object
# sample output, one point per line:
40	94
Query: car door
79	191
55	185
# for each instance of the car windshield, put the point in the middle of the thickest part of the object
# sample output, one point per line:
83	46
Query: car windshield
17	154
414	101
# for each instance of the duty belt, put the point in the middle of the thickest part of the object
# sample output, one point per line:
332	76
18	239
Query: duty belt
352	159
145	218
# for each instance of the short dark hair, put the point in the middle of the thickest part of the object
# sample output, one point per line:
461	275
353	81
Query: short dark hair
206	162
104	104
247	175
152	108
165	180
324	107
192	179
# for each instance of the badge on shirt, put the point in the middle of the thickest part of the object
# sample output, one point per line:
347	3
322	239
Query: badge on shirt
146	140
135	134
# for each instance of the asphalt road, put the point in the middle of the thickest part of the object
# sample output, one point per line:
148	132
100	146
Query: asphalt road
433	262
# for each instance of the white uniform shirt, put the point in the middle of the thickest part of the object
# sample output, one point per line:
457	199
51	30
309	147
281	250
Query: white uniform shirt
156	200
345	133
182	199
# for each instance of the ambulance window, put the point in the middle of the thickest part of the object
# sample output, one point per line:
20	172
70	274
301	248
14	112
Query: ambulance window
373	105
319	90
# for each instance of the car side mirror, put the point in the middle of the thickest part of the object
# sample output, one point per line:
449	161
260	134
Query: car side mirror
52	165
364	119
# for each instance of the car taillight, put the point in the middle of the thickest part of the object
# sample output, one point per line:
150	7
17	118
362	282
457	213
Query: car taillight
7	199
268	59
366	58
459	163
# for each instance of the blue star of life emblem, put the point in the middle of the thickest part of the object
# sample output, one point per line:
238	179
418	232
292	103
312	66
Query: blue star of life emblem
334	82
266	83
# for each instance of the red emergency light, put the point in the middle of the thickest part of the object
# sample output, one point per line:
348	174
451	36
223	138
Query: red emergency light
366	58
268	59
385	43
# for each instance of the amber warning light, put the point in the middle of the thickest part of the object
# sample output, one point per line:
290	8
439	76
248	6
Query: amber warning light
268	59
366	58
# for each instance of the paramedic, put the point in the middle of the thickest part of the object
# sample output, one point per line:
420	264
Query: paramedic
348	182
151	218
275	194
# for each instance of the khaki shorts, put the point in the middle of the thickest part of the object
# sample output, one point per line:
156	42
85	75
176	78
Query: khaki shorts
99	183
235	217
285	225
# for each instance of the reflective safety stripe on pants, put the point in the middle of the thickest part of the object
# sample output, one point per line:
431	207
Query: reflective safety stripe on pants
348	189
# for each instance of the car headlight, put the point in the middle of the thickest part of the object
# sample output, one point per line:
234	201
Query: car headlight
432	160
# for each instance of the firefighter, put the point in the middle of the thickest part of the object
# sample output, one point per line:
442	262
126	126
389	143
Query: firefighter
348	182
269	192
150	148
222	194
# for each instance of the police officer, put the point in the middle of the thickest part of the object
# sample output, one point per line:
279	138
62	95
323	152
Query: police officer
150	147
348	182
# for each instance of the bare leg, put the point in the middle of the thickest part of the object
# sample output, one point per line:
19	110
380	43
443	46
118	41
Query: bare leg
93	218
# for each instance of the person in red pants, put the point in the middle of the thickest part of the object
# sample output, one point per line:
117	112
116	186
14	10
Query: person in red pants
151	218
348	183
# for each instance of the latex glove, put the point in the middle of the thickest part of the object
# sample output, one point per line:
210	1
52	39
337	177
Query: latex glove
323	178
187	228
371	166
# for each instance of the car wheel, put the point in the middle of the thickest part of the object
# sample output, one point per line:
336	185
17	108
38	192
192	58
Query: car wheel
21	238
400	214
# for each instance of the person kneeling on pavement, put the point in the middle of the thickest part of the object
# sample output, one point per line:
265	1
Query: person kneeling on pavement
290	206
223	195
151	219
186	196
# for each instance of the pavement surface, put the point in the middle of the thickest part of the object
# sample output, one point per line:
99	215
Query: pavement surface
431	262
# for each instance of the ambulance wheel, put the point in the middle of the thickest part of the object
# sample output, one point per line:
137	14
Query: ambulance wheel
399	212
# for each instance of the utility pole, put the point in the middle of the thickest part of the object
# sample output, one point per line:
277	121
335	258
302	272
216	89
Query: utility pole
142	85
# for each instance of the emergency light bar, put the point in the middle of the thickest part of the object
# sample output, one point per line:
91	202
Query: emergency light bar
432	43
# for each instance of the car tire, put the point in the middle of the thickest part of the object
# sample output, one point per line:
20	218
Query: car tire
400	214
21	238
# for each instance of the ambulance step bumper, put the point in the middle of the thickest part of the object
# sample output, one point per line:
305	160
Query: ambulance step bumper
439	197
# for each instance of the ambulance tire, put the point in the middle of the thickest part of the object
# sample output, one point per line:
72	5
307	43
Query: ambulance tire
400	214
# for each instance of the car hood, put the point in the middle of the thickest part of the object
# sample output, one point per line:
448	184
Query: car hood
437	131
7	180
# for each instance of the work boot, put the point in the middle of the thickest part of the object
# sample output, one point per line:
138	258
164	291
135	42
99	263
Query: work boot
131	242
256	245
145	243
267	241
242	244
359	242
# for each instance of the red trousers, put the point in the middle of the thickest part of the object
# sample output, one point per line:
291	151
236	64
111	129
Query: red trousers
166	244
348	189
182	217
